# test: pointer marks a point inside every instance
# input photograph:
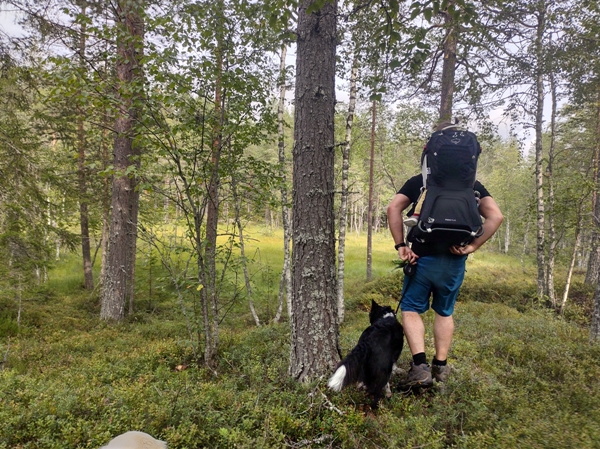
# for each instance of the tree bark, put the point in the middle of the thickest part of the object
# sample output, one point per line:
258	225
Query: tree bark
593	265
86	252
238	223
119	276
595	326
212	212
506	233
550	178
106	200
370	201
448	69
344	196
593	268
539	175
314	329
573	258
285	284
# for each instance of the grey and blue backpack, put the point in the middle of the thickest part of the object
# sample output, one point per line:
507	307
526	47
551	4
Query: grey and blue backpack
449	210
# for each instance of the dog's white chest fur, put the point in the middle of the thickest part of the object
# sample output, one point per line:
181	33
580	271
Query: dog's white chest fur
135	440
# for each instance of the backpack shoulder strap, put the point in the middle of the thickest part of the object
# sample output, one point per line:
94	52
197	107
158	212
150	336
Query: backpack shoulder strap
424	161
424	171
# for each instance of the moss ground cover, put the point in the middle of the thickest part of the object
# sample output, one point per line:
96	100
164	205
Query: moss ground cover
522	376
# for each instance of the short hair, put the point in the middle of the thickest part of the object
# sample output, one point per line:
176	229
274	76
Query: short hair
445	124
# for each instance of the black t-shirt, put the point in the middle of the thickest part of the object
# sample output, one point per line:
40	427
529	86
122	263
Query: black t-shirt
412	189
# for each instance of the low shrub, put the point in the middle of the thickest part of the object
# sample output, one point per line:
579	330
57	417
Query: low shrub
522	377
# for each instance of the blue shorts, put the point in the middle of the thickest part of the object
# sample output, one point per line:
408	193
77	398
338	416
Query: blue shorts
438	275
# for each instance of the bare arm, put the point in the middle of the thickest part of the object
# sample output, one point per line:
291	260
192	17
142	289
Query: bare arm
489	210
394	212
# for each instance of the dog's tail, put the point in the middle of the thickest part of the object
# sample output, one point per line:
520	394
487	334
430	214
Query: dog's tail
336	382
350	370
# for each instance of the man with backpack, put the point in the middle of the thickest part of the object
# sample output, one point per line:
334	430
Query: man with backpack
444	235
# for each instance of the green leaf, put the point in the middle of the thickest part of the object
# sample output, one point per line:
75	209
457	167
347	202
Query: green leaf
395	37
427	13
399	264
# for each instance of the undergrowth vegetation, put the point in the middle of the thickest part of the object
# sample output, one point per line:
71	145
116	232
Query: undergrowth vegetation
522	377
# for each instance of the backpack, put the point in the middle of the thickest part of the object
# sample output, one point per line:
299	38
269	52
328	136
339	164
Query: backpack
447	210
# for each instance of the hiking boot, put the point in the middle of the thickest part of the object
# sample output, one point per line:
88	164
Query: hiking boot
418	376
440	373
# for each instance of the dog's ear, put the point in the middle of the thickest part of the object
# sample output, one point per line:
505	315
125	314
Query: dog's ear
374	305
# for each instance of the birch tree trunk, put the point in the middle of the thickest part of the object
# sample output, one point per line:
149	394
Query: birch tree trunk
524	249
507	233
539	175
573	258
344	196
285	283
370	200
211	309
314	328
238	223
550	177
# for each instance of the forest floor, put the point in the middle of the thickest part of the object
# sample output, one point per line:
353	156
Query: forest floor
522	377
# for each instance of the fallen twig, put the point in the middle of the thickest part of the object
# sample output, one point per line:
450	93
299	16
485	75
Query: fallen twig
303	443
330	405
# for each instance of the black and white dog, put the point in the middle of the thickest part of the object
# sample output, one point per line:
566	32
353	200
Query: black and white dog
373	358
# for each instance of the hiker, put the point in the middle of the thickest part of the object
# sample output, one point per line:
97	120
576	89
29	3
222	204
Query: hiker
440	269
